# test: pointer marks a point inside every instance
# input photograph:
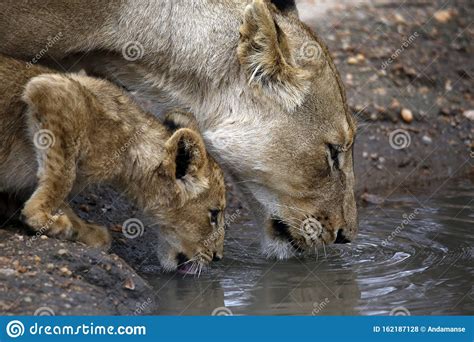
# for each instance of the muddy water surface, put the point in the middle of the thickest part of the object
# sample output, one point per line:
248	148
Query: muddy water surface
413	255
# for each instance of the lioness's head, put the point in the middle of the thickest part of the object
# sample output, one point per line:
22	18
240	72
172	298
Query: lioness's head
301	160
190	207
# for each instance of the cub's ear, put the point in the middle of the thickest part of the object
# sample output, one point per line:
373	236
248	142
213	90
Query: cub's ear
286	7
264	54
187	162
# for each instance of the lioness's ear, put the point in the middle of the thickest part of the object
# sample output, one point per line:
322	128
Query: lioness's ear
265	55
187	162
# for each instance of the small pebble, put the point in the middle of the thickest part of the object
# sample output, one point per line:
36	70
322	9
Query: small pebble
129	284
469	114
443	16
427	140
407	115
62	252
65	271
8	272
85	208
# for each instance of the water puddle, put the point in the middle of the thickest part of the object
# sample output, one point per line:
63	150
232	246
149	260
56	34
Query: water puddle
413	254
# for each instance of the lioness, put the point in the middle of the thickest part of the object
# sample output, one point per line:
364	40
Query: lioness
263	87
62	132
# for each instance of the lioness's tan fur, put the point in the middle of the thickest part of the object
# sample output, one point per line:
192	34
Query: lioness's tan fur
264	89
62	132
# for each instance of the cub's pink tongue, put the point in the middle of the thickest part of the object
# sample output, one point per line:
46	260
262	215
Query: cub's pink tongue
187	269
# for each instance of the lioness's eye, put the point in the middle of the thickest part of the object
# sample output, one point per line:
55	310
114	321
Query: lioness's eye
334	154
214	216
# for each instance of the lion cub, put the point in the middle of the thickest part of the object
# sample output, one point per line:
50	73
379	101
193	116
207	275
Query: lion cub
62	132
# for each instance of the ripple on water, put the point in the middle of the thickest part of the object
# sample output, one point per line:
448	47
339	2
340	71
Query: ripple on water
424	265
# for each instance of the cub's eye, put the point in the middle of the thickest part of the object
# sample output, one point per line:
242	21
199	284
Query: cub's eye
334	154
214	213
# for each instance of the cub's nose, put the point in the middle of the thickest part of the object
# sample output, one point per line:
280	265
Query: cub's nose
341	238
216	257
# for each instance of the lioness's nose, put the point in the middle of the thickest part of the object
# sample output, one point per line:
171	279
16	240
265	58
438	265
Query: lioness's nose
341	238
216	257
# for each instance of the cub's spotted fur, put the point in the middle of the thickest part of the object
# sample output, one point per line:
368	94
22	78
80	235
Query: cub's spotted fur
61	132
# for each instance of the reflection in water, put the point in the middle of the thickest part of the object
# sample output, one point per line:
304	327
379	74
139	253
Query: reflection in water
413	252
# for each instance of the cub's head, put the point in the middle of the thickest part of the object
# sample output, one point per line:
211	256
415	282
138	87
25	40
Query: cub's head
191	203
304	133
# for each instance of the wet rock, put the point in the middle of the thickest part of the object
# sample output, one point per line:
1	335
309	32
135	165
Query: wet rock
76	283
